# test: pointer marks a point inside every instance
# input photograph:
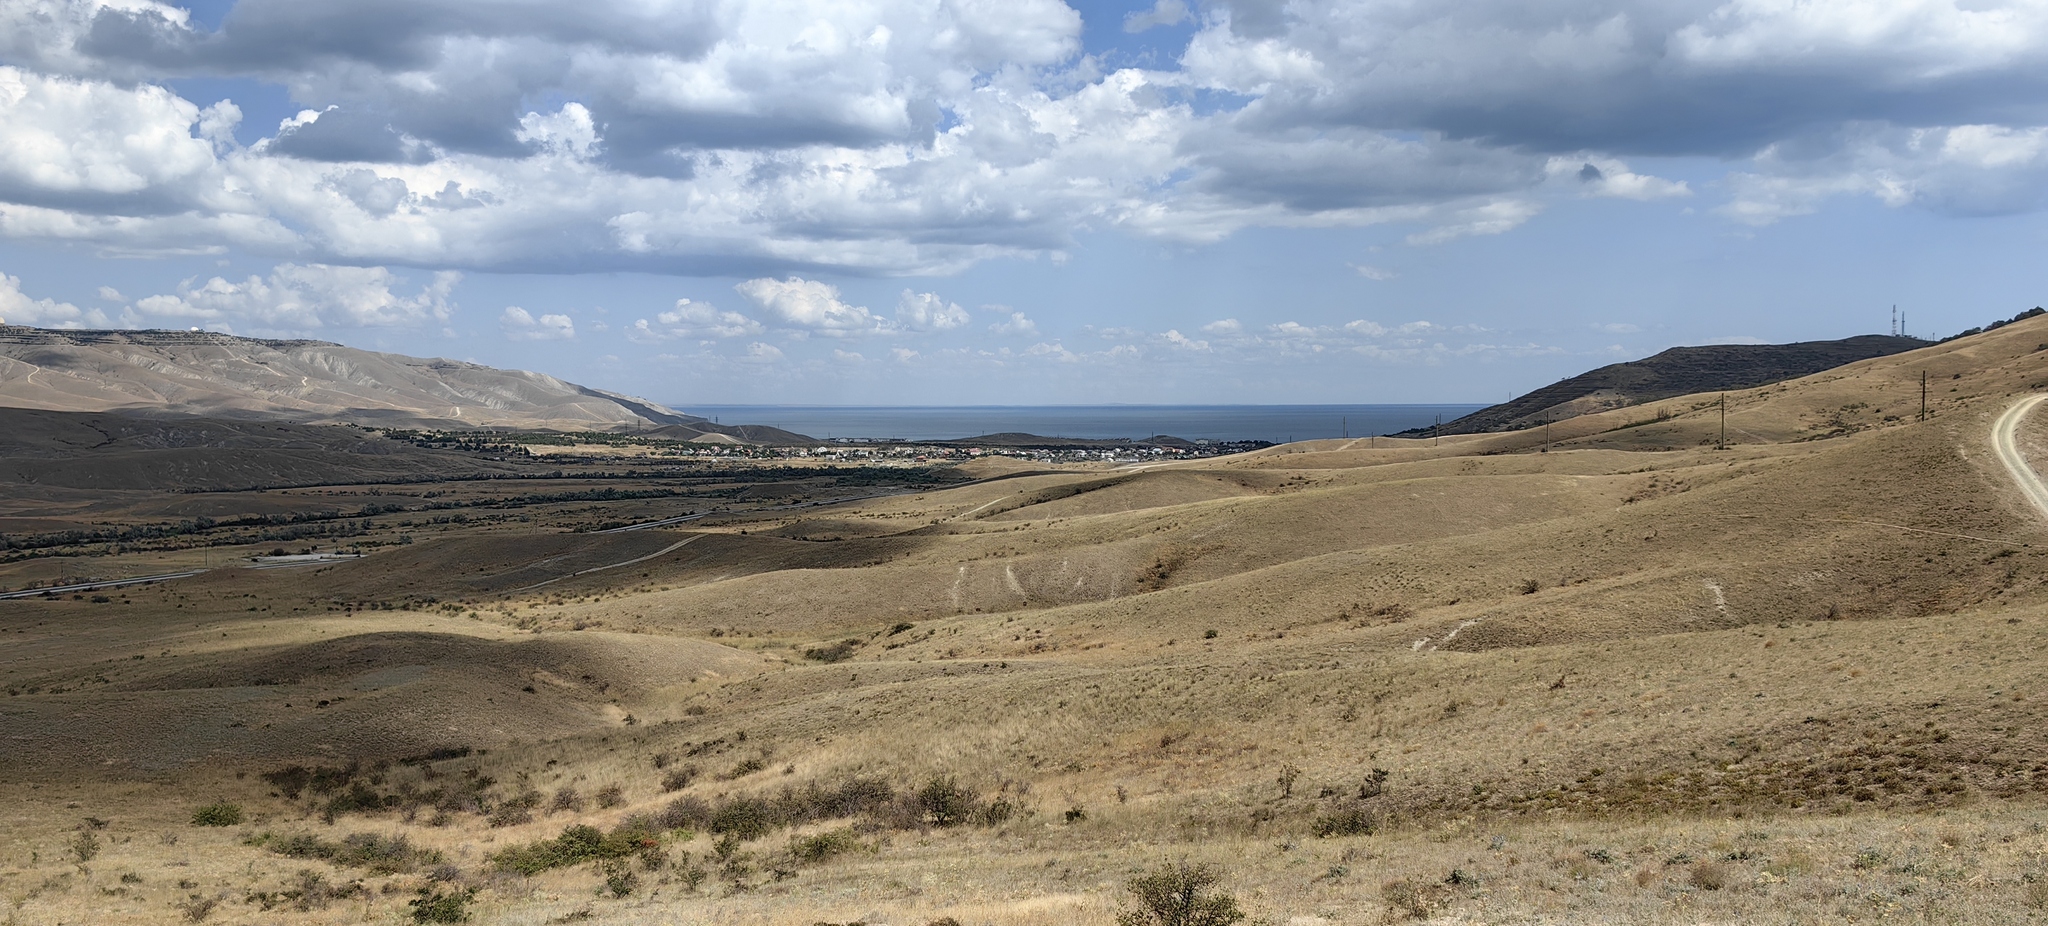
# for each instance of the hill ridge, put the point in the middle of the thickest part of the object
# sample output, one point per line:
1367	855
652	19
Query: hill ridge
1673	372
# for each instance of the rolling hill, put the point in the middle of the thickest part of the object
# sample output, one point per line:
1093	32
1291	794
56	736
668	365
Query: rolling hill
1625	672
1675	372
197	373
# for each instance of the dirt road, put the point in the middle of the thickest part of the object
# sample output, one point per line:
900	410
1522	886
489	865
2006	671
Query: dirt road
2005	438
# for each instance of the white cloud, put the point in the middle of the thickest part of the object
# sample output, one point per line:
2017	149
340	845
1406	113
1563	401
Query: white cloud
1966	169
78	141
1162	13
759	352
902	354
693	320
810	306
1016	325
1489	219
1599	176
1376	274
1183	342
896	137
111	294
567	132
928	312
1227	326
521	325
16	308
296	297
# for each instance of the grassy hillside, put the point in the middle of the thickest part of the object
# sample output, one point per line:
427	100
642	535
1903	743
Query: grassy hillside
1619	676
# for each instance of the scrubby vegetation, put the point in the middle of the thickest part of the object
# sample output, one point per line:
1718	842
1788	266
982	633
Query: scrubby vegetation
380	855
217	814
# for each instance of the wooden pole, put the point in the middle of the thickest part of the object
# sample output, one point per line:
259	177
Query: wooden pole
1923	395
1723	445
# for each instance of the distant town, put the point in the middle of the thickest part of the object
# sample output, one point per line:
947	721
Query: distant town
598	444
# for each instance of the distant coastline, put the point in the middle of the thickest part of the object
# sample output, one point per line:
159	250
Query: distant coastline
1276	423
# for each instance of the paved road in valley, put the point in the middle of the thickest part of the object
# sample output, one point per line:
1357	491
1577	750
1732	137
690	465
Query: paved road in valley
93	586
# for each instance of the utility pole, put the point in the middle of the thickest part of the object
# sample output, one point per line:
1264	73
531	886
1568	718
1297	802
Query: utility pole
1923	395
1723	443
1546	432
1438	431
1347	426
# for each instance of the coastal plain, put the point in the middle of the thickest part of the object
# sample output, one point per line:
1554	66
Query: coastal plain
1768	656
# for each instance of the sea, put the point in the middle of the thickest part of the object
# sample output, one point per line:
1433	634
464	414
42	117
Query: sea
1275	423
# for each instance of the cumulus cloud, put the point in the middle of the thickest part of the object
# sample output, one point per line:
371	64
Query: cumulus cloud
809	306
92	145
693	320
521	325
762	139
928	312
307	297
1226	326
17	308
1016	324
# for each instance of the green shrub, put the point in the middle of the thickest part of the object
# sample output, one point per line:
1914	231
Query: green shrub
577	844
1179	894
436	907
942	801
823	846
619	879
221	814
383	855
745	817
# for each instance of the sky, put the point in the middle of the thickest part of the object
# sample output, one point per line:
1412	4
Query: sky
939	202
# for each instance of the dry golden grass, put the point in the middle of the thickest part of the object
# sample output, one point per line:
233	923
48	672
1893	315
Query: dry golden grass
1631	679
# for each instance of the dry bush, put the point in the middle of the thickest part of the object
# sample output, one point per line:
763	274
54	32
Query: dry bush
1415	898
1709	876
196	909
